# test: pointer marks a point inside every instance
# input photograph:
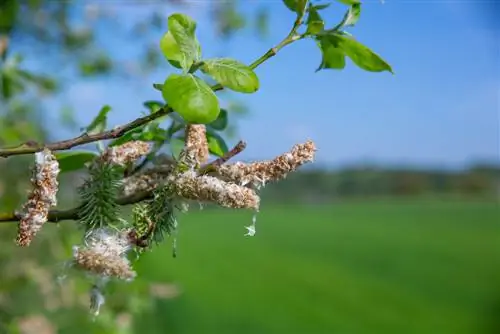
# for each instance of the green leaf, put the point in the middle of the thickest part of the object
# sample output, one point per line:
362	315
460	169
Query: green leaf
352	16
349	2
231	74
315	23
183	28
170	50
74	160
321	6
216	144
176	146
99	123
158	86
221	122
191	98
298	6
360	54
153	106
333	56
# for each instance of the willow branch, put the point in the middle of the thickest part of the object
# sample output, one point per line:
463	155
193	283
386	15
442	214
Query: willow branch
72	214
85	138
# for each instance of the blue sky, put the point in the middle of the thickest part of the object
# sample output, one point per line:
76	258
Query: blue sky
441	109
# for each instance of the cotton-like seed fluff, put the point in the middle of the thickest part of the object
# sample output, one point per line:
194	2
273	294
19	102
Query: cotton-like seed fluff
261	172
104	254
205	188
124	154
43	196
195	151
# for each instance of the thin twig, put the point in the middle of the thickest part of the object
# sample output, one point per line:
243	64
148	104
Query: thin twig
212	166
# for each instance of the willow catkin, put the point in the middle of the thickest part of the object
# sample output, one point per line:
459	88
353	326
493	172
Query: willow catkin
43	196
195	150
262	172
124	154
206	188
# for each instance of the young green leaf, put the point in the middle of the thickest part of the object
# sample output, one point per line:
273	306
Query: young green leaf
332	56
216	144
298	6
153	106
170	50
183	28
221	122
315	23
74	160
191	98
352	15
321	6
158	86
231	74
98	124
360	54
350	2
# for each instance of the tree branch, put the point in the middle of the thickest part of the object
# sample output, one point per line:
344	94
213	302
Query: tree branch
31	147
85	138
72	214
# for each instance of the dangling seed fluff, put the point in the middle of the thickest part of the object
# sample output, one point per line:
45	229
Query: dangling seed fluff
104	254
252	228
190	186
195	151
35	211
96	300
124	154
260	173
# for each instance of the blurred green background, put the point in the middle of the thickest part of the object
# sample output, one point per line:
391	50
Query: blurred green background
364	248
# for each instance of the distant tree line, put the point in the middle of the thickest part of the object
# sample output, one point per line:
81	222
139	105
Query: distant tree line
364	181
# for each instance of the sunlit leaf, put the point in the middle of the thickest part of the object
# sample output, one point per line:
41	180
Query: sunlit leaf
182	28
231	74
333	57
362	55
315	23
171	51
191	98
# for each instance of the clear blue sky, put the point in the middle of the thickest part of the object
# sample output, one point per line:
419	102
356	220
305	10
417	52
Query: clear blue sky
441	108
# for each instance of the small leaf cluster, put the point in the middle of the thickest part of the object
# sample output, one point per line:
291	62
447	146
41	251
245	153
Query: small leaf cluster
336	43
189	94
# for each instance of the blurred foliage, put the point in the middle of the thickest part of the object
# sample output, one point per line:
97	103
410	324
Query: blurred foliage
324	186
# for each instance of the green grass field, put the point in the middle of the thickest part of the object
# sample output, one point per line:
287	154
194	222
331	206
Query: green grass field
379	267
